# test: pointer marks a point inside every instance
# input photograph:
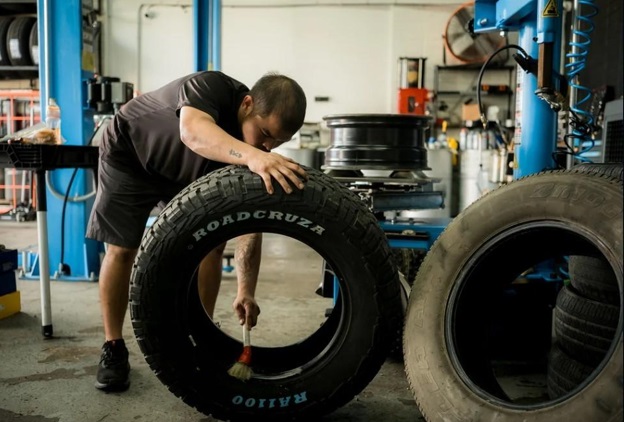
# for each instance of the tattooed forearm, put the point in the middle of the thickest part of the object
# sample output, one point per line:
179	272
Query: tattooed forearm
235	153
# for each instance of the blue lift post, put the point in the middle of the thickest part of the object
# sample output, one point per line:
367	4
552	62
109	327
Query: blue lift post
62	77
207	33
207	53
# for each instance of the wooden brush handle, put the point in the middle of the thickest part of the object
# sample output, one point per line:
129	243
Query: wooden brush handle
246	336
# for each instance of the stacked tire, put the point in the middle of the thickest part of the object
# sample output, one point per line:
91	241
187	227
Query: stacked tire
447	332
5	22
18	45
586	319
586	315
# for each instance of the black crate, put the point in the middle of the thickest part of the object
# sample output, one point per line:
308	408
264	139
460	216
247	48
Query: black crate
8	260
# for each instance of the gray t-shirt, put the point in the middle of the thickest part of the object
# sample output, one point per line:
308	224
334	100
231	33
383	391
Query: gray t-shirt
145	133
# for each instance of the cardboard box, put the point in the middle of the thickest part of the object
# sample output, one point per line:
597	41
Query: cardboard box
10	304
470	112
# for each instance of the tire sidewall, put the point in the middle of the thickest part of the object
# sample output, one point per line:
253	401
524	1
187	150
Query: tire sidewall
558	196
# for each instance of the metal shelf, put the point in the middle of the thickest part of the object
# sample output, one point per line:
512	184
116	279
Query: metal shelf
19	68
471	92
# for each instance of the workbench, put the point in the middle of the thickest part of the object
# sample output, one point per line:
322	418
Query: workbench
40	158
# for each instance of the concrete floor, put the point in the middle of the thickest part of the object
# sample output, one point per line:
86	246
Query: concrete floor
52	380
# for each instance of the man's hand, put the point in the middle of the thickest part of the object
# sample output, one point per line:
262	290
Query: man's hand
247	310
274	166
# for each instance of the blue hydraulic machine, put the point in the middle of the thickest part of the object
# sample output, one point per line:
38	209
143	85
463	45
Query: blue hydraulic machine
68	53
543	92
538	23
539	90
66	62
67	65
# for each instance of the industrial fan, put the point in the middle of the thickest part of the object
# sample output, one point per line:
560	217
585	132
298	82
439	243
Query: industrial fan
463	44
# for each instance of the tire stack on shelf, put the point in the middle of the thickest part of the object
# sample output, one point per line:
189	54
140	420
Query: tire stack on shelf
19	49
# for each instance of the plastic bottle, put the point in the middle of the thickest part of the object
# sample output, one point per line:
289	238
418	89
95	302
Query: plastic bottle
463	139
53	119
441	141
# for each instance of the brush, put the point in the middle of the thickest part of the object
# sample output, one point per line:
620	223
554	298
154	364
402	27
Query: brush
242	369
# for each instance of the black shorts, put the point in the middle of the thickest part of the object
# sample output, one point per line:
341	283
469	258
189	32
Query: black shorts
123	204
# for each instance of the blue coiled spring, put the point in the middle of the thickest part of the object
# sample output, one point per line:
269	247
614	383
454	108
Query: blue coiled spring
582	120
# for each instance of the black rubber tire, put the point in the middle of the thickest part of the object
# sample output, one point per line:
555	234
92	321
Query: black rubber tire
564	373
33	44
17	41
594	278
470	259
319	374
584	328
5	22
607	169
408	260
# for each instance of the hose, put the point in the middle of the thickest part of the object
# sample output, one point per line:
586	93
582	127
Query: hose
581	120
523	59
63	267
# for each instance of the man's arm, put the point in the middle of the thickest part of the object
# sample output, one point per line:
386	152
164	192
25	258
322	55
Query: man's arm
203	136
247	256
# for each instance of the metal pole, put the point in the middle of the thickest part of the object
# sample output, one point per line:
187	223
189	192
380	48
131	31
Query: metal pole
201	36
45	51
44	263
215	29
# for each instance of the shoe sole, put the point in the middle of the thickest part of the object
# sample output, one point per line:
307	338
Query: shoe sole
111	388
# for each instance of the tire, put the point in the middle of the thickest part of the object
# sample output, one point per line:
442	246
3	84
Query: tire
17	41
584	328
191	356
615	170
484	249
396	351
408	260
5	22
33	44
594	279
592	276
564	373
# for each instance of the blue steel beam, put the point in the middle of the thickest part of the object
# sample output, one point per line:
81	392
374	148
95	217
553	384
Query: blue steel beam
498	15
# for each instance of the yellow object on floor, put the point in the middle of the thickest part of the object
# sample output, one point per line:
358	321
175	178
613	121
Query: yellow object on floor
10	304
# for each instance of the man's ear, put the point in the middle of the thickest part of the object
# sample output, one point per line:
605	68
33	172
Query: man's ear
247	105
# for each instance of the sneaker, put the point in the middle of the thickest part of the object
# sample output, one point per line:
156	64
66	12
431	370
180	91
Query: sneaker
113	370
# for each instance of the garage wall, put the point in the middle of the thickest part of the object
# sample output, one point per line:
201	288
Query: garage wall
147	43
346	51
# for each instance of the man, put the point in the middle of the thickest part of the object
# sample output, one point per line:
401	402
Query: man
160	142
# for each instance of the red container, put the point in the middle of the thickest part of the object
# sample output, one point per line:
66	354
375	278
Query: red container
412	101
